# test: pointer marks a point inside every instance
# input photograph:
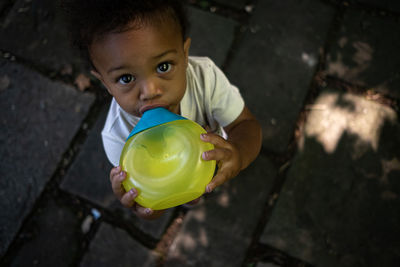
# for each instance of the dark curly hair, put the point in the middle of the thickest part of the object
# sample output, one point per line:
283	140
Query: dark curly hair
88	20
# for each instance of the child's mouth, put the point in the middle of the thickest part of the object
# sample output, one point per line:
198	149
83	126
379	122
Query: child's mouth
151	106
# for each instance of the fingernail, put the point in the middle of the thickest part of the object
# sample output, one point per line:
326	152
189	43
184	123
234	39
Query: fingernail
208	189
202	136
204	155
148	211
132	192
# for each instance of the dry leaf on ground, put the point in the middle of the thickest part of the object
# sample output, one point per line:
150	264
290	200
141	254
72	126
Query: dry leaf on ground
82	81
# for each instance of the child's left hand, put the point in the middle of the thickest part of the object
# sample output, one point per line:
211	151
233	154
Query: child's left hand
227	156
236	153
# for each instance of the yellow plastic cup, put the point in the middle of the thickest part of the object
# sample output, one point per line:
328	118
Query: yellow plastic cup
162	159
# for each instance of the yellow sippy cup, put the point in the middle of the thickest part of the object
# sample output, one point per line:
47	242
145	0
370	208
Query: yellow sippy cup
162	159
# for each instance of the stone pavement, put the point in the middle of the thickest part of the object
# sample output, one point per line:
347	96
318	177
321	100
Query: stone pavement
322	76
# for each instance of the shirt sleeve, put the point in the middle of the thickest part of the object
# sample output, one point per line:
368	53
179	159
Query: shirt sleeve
113	148
226	100
116	129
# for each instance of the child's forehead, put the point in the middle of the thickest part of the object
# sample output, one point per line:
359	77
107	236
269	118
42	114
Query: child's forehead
131	30
145	23
136	43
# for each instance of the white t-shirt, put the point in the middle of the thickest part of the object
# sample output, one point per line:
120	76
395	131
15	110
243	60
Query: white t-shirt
210	99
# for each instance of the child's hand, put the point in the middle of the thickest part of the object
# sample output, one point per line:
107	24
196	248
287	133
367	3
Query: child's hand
227	156
127	199
236	153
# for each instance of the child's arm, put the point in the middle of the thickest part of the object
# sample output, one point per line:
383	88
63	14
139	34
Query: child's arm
128	198
236	153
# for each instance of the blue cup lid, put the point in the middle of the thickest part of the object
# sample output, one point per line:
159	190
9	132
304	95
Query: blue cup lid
154	117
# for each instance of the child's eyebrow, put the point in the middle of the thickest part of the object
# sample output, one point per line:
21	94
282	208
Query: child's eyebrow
116	68
174	51
171	51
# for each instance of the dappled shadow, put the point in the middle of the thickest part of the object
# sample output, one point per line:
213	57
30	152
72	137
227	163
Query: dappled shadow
351	69
365	52
226	219
339	206
339	113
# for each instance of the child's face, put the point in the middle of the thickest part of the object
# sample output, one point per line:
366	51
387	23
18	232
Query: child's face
143	68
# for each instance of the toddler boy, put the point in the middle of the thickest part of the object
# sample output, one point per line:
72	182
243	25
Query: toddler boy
140	52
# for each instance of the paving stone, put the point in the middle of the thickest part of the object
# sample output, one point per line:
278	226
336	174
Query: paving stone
366	52
233	3
39	118
114	247
275	63
52	223
214	43
46	44
219	231
262	264
340	204
3	4
38	34
391	5
88	177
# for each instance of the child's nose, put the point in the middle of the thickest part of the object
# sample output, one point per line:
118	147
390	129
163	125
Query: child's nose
149	89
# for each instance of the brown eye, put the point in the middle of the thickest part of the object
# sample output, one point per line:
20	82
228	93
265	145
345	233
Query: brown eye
125	79
164	67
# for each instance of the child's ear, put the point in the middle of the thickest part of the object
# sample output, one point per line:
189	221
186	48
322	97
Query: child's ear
186	47
96	74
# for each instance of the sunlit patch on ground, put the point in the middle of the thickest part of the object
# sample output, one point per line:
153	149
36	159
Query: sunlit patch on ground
360	61
334	114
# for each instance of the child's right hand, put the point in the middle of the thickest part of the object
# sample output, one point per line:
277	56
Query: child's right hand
127	199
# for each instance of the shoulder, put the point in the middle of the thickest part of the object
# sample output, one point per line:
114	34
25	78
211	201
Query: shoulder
118	123
112	116
204	72
201	64
116	129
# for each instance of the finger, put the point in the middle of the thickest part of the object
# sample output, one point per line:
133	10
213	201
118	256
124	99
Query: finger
217	154
194	201
218	179
143	212
214	139
116	184
150	214
128	199
114	172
